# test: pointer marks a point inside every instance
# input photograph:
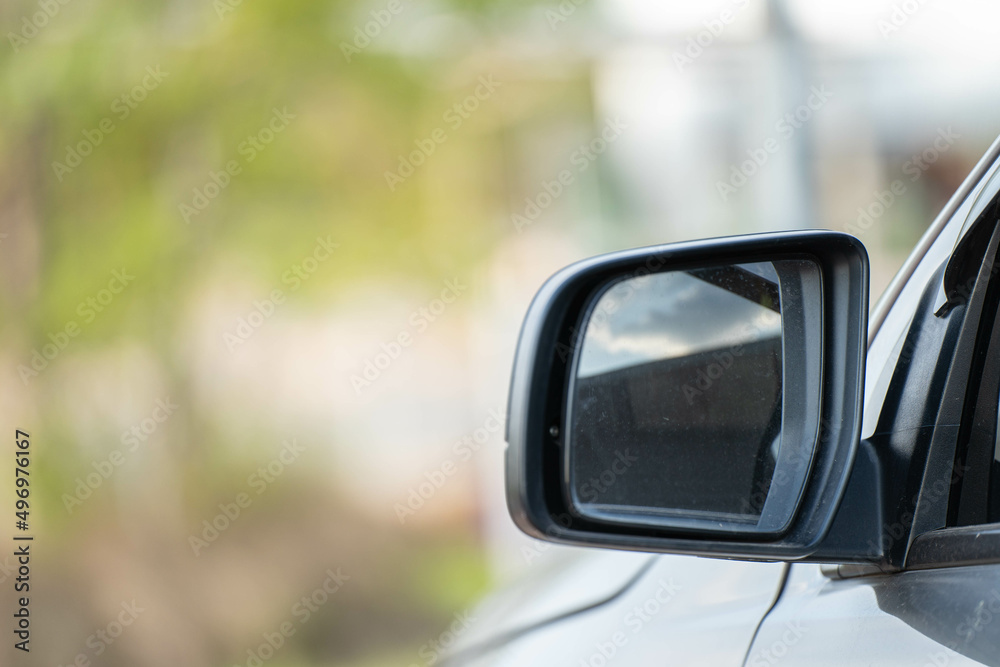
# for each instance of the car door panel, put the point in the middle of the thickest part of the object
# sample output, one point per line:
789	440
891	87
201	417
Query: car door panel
937	611
938	617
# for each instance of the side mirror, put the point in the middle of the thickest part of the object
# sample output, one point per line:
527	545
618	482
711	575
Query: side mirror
700	398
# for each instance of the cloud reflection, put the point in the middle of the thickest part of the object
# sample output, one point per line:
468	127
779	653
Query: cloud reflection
669	315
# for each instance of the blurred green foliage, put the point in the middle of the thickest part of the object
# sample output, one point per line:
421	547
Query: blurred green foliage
227	68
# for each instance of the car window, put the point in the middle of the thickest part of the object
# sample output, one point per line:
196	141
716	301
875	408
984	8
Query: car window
976	496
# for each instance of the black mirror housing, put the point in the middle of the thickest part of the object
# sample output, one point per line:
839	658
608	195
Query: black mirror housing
823	342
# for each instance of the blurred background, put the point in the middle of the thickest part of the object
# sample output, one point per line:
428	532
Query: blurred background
264	265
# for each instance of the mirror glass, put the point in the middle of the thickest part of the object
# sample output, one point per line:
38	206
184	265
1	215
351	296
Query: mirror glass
676	407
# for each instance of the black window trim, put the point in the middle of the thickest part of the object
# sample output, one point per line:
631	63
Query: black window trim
977	544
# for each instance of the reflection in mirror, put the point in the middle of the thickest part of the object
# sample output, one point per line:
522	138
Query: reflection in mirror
676	405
